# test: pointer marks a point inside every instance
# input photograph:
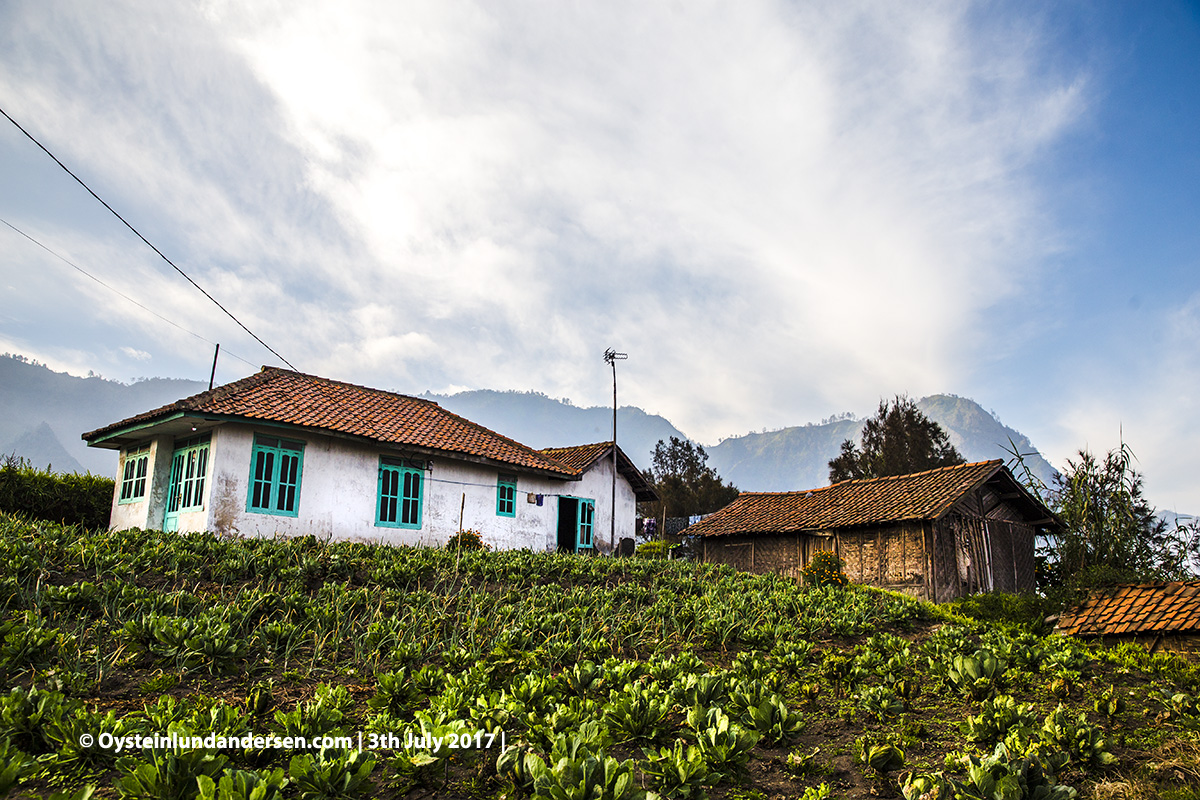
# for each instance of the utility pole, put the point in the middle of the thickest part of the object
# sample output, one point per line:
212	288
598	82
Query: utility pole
611	357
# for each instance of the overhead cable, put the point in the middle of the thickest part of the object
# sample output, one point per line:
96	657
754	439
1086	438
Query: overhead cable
145	240
119	292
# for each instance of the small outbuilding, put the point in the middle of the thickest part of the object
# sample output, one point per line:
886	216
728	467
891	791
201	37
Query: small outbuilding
1160	616
939	534
283	453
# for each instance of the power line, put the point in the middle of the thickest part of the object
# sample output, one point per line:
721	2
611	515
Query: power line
118	291
145	240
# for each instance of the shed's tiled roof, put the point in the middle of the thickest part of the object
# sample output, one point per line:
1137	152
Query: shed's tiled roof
919	496
1136	609
582	456
282	396
579	457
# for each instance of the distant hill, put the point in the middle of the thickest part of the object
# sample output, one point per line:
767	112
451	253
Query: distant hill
539	421
798	458
43	412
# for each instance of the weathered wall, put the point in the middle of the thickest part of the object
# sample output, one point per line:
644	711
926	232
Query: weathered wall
147	512
892	557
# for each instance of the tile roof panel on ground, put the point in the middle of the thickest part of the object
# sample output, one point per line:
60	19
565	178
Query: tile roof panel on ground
1148	608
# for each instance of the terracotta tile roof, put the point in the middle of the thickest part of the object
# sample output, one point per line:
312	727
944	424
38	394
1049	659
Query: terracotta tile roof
582	456
919	496
282	396
1132	609
579	457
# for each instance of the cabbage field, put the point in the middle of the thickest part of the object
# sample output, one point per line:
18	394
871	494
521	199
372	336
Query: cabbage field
148	665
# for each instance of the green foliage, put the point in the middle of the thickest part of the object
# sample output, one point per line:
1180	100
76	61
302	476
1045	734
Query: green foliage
656	549
1112	534
825	569
898	440
999	776
880	756
679	771
15	766
466	540
686	485
881	702
243	785
997	716
71	499
1028	611
585	776
1083	742
166	774
979	675
638	713
724	744
326	774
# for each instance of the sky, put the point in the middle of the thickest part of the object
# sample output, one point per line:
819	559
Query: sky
779	210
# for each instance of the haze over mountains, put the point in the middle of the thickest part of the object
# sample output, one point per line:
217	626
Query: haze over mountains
43	413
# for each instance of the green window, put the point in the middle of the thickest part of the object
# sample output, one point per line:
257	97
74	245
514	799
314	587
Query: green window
587	515
189	467
275	469
506	496
400	486
133	477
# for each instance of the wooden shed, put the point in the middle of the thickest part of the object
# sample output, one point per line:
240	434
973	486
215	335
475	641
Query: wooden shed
1160	616
939	534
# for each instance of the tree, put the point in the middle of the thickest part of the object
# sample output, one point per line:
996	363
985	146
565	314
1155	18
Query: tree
1112	533
685	482
898	440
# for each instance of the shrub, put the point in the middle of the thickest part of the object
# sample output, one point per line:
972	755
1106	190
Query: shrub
70	499
655	549
825	569
466	540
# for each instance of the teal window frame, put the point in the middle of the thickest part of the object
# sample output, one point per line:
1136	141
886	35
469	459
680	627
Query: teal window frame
400	493
189	473
506	495
586	525
276	472
135	475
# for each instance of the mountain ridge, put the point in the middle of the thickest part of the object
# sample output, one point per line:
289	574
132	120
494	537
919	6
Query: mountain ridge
43	413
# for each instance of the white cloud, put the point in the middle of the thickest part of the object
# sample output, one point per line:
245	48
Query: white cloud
135	354
780	211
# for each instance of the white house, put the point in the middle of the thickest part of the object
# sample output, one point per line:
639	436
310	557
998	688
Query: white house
285	453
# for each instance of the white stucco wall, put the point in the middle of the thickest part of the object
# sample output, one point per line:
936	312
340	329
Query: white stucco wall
339	492
147	512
